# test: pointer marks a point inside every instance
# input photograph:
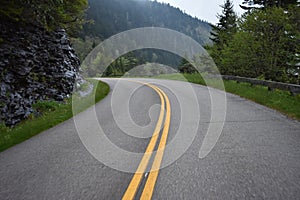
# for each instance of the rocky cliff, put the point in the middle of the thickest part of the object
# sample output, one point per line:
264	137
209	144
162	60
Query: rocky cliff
35	64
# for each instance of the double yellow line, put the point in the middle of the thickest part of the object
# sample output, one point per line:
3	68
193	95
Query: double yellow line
152	177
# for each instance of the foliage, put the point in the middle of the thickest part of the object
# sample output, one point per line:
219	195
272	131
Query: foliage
266	45
11	9
265	42
121	65
222	32
51	14
94	64
268	3
186	67
240	57
84	46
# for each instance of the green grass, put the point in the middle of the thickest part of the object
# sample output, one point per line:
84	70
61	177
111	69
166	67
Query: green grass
279	100
53	113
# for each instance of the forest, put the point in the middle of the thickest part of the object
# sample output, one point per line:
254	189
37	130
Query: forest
109	17
114	16
263	43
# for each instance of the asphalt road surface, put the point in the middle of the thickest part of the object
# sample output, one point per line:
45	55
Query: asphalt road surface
256	156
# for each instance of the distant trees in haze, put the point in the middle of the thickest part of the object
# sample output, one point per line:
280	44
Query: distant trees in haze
111	17
114	16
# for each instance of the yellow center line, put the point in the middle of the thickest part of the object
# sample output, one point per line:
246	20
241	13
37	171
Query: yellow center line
136	180
150	184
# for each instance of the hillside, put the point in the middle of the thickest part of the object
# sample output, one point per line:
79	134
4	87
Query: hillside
110	17
114	16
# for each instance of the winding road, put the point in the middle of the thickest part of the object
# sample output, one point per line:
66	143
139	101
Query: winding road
203	152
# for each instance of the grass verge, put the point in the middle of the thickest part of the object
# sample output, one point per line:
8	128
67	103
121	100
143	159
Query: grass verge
53	114
276	99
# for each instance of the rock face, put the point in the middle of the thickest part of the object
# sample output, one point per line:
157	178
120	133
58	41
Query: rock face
35	65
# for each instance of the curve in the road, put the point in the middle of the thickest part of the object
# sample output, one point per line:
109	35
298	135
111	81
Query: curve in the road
151	180
256	157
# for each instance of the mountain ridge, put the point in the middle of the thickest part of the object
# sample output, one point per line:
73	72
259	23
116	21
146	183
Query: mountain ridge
114	16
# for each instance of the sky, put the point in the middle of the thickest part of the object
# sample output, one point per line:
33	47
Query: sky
203	9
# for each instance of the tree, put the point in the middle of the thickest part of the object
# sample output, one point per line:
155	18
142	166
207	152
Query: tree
267	3
223	32
242	57
121	65
186	67
265	46
84	46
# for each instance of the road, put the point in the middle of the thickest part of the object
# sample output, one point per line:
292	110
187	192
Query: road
257	155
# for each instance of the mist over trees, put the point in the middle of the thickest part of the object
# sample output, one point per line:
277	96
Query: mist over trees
110	17
114	16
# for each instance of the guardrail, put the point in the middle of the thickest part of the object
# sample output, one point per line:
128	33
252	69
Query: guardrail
292	88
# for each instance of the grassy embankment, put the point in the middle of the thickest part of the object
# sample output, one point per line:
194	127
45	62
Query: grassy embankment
276	99
53	113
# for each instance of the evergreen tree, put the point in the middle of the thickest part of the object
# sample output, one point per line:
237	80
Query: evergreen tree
121	65
268	3
265	46
223	32
186	67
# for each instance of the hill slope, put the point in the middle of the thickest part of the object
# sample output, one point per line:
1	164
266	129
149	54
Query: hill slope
114	16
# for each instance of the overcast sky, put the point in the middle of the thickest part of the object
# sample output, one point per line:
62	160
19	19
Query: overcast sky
203	9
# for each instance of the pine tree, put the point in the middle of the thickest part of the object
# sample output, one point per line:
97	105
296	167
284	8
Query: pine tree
186	67
267	3
223	31
265	46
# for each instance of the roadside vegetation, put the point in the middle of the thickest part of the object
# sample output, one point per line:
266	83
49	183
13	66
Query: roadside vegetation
51	14
279	100
48	114
263	43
